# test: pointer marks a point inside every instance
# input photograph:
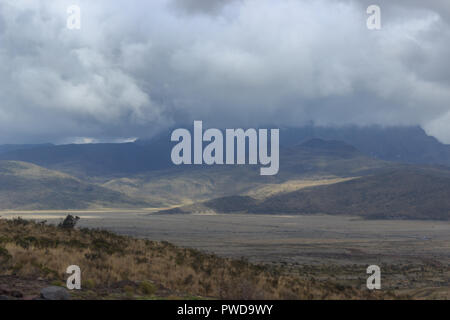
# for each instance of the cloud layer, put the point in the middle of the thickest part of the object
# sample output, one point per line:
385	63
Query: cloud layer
135	68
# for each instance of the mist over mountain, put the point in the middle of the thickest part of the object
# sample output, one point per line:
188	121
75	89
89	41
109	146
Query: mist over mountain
136	68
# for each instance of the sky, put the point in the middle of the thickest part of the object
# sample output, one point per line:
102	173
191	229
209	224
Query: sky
137	67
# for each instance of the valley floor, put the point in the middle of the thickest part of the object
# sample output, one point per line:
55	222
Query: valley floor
414	256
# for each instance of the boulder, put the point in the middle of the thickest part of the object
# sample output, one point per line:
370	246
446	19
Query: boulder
55	293
69	222
16	294
4	290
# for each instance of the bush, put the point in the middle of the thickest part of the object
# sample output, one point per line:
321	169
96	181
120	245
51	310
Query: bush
129	291
20	222
4	255
58	283
89	284
69	222
147	288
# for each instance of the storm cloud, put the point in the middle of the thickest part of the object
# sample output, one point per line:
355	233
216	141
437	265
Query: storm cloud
137	67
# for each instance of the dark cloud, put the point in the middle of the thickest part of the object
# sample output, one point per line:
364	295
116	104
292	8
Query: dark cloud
137	67
200	6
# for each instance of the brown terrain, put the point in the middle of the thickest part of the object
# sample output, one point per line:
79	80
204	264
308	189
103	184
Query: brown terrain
34	255
319	253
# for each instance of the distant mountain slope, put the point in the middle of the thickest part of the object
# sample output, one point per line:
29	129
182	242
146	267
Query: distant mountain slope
314	160
27	186
400	193
337	158
90	160
400	144
118	167
408	193
229	204
14	147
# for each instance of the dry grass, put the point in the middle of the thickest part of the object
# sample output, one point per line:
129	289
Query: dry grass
32	250
268	190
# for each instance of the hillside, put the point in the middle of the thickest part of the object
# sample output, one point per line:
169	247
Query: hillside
408	193
399	144
93	160
27	186
314	162
328	158
402	193
120	267
317	176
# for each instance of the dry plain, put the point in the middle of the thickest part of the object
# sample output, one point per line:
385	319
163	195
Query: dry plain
414	256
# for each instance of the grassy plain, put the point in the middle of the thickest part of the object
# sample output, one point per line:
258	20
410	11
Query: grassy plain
318	250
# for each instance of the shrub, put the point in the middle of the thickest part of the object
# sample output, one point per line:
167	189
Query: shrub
4	255
89	284
69	222
147	288
129	290
58	283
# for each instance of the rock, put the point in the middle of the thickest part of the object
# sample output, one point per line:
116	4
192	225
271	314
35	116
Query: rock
55	293
4	289
69	222
16	294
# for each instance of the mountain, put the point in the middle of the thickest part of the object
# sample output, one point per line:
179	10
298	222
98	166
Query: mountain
335	158
409	192
5	148
90	160
229	204
399	144
30	187
314	162
141	173
118	177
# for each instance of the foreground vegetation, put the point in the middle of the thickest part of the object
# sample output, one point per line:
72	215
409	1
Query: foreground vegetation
117	267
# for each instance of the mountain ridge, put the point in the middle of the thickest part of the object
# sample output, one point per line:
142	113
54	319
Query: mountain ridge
397	144
410	192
